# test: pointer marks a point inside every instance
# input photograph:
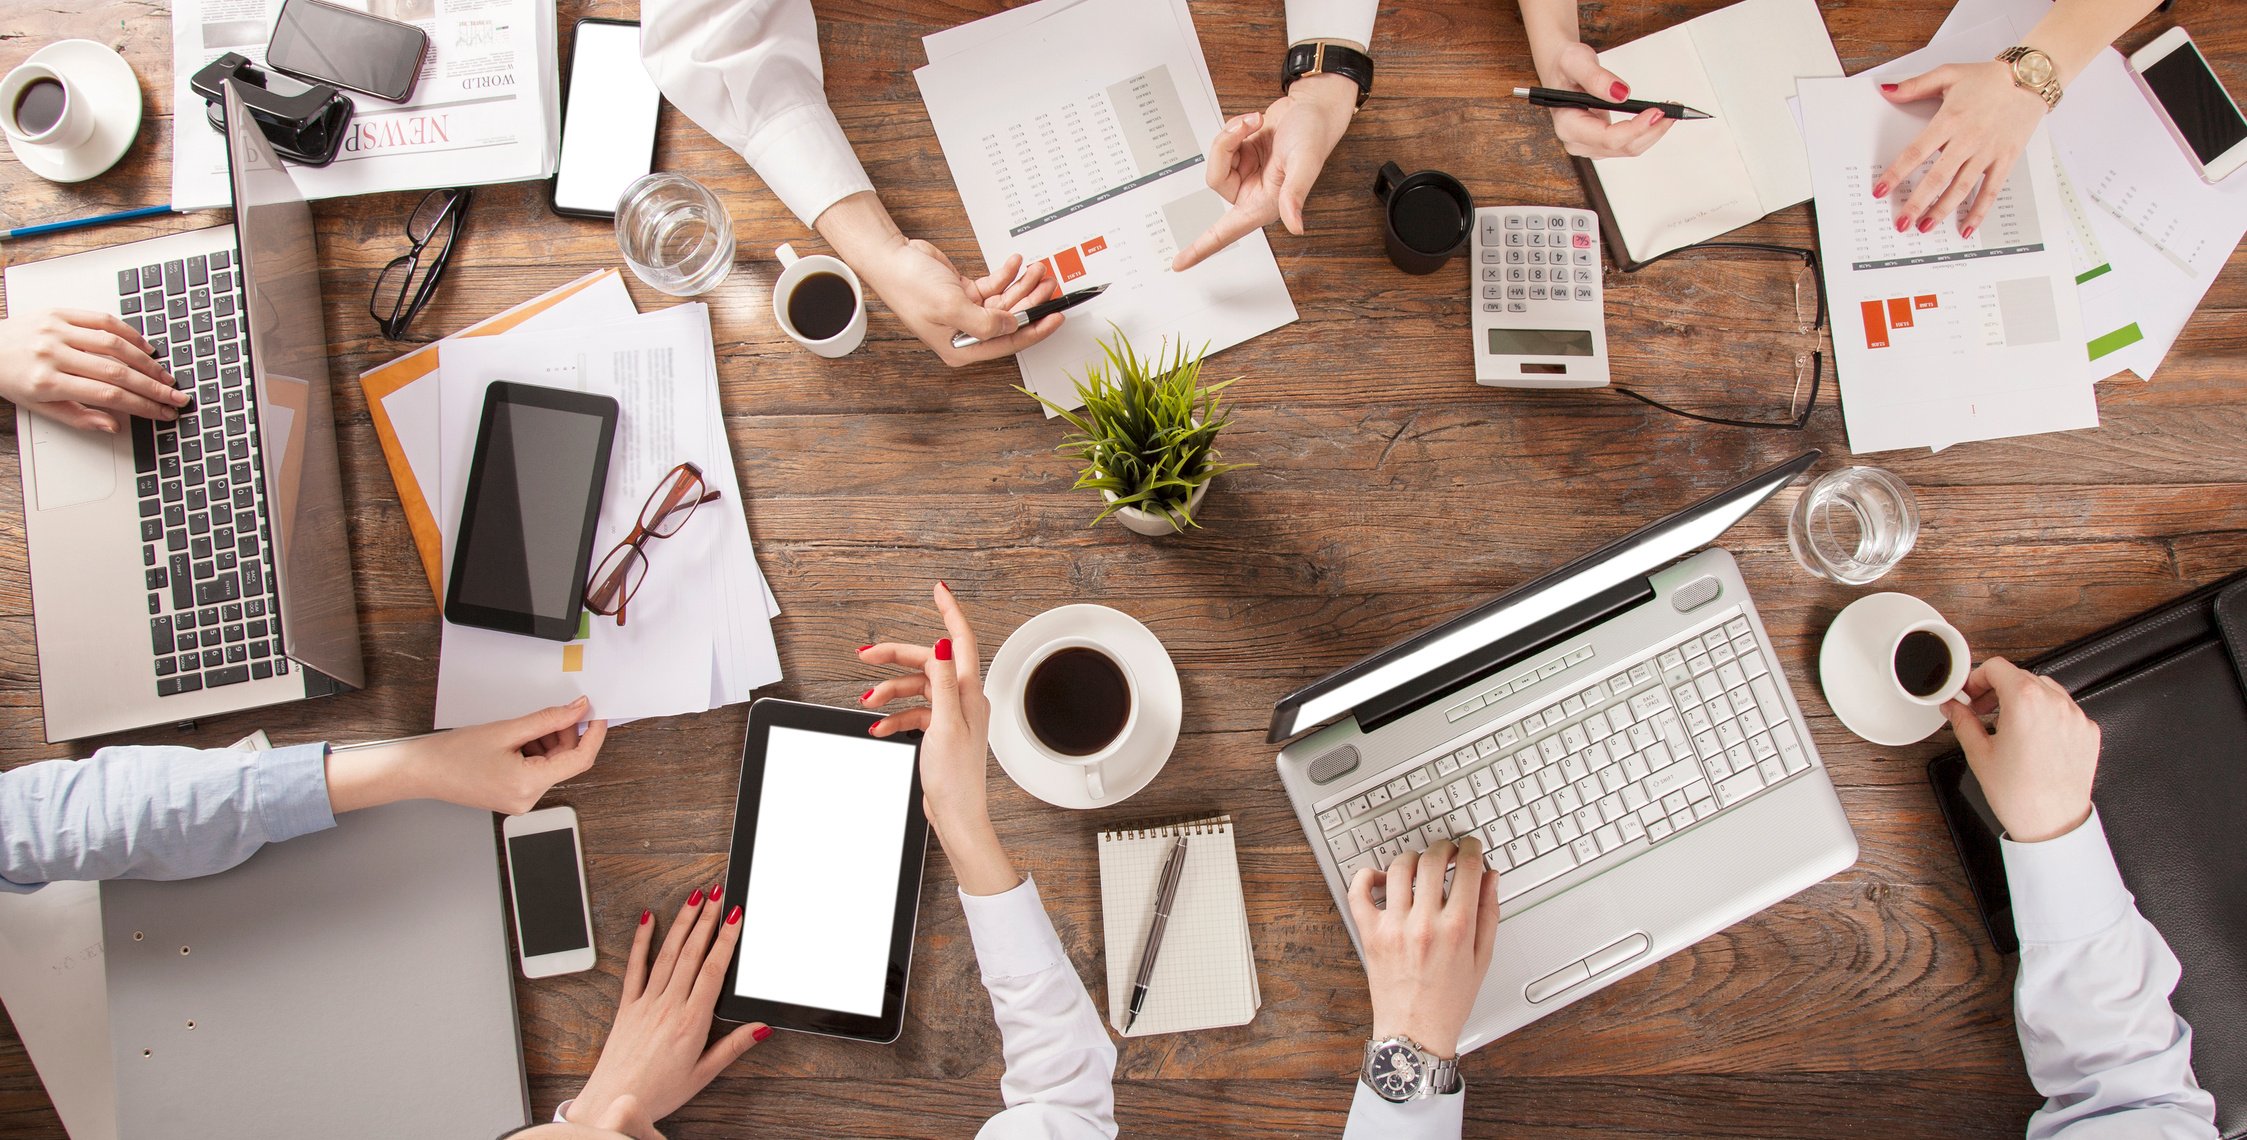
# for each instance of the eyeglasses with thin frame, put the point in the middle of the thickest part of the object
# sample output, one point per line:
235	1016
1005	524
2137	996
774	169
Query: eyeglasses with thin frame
405	286
1801	419
622	571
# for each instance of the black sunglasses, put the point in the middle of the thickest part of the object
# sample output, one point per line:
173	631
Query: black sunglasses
404	286
1801	419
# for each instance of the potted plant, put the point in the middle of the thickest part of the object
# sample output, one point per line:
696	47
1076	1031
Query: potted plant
1146	435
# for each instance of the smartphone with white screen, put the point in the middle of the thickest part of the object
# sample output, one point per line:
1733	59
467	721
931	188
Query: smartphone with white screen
546	877
2201	114
351	49
608	122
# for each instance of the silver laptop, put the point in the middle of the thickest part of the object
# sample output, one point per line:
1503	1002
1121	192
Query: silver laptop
1619	735
182	570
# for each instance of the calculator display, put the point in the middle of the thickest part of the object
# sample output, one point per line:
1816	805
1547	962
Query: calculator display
1541	342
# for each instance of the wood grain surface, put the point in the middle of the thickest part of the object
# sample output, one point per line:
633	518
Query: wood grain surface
1391	491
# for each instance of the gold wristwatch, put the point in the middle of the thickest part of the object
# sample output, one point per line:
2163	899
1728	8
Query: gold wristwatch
2033	71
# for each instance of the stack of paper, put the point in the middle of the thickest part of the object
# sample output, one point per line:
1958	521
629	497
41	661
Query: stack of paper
487	108
700	632
1089	159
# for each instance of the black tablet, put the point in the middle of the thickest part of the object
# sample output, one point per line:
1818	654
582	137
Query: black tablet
534	495
828	842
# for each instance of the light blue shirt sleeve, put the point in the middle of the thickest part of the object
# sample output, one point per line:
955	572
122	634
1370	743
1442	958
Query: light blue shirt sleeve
155	813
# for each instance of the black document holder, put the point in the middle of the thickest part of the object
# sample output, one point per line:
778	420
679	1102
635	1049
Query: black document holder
2168	689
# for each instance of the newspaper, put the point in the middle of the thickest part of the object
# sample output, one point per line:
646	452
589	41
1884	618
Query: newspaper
487	107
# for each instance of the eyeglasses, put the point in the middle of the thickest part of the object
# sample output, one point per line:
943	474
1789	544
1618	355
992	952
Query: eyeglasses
621	572
1817	370
403	288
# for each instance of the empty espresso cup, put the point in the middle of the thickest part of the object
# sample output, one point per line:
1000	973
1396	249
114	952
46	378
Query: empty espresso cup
819	303
1078	705
1426	217
41	107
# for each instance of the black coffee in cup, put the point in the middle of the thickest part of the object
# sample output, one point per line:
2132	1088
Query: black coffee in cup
1923	663
1077	701
821	305
39	106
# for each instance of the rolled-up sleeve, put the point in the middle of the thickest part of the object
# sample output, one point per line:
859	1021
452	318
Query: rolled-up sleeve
1060	1064
1350	21
155	813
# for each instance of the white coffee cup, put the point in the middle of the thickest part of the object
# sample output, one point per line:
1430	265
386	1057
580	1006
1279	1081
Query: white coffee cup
1954	679
74	126
793	270
1095	788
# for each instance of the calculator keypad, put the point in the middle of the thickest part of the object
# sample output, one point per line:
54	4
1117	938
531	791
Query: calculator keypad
1537	281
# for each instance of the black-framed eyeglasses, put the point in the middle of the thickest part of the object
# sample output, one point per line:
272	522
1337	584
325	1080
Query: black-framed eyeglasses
410	280
1801	419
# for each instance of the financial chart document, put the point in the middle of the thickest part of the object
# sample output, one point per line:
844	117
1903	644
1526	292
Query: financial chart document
1089	159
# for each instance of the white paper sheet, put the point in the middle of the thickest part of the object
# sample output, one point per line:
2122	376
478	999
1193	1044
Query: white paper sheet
1099	170
51	979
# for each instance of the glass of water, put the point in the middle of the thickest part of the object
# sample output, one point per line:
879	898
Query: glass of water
1853	525
675	234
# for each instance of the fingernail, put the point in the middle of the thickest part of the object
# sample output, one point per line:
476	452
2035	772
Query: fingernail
179	396
1966	232
761	1032
947	589
1620	91
646	916
1888	87
695	899
867	696
1654	116
944	649
1902	223
716	889
864	648
871	727
1880	189
1927	223
733	917
1254	120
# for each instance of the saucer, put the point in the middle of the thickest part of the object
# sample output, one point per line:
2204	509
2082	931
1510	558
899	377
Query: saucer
1144	752
109	86
1866	701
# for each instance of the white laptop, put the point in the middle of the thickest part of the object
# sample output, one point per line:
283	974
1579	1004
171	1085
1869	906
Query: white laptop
1619	735
187	569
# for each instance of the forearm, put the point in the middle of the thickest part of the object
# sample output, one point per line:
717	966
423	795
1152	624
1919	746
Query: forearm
978	860
2075	31
860	230
1551	26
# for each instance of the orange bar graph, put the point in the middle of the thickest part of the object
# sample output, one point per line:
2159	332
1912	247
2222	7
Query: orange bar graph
1070	263
1094	246
1876	324
1899	312
1924	301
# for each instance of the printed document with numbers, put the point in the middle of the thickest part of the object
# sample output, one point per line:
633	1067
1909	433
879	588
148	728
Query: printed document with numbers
1088	157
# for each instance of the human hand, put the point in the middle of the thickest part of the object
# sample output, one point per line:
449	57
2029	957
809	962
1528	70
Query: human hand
935	300
2036	769
1591	134
1265	163
1425	954
83	369
505	766
659	1053
1975	138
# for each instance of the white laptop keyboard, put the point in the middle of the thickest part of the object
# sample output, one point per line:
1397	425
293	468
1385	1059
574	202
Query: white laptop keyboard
1628	761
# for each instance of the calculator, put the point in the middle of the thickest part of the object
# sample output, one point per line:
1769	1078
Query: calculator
1539	315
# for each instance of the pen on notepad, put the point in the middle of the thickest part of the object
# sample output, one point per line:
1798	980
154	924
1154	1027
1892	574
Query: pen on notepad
1036	313
1550	97
81	223
1173	870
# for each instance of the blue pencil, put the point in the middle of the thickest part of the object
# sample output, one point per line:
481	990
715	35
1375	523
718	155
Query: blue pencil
80	223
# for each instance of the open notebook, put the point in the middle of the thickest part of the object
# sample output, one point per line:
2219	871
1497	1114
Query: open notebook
1710	176
1205	973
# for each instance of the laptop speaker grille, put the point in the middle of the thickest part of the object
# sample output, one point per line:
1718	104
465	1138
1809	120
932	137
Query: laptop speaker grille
1695	594
1334	765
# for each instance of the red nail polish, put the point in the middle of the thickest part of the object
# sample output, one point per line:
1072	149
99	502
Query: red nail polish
867	696
733	917
1926	223
1888	87
947	587
1620	91
761	1032
1880	189
864	648
944	649
647	916
1901	223
717	889
695	899
1967	232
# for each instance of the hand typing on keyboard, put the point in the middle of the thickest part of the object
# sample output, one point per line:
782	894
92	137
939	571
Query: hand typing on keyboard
1427	950
83	369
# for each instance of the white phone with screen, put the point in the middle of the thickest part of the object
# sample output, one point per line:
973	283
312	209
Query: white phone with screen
546	880
2201	114
608	123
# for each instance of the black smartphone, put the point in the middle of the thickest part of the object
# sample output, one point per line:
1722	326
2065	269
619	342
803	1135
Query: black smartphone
534	494
608	120
350	49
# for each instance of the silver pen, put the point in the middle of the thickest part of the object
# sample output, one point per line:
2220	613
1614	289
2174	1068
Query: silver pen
1173	870
1038	312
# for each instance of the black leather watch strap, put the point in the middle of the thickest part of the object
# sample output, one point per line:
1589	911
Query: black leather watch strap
1319	57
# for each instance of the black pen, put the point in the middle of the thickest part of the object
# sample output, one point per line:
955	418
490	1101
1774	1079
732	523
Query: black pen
1550	97
1035	313
1165	894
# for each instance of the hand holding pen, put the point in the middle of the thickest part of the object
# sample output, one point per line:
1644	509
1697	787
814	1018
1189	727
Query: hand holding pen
1035	313
1588	133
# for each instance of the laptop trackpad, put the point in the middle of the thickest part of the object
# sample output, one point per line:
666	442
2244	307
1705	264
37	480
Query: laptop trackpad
72	466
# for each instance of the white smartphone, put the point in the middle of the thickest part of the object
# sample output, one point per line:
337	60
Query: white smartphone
608	125
546	876
2201	114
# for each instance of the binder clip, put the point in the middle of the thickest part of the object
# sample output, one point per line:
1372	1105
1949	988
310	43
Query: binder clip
304	121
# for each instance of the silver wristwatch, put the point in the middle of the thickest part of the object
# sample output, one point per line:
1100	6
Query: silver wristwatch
1397	1069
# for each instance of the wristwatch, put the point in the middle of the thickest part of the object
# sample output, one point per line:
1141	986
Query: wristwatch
1319	57
1397	1069
2033	72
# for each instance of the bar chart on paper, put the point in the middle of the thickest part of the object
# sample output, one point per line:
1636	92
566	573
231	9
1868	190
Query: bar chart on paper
1953	322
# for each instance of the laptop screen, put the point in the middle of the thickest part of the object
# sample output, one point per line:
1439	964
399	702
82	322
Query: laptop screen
288	361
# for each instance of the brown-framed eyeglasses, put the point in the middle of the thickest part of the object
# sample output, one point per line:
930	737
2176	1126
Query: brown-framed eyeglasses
619	575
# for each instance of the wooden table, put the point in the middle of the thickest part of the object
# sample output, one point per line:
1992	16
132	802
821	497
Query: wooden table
1391	491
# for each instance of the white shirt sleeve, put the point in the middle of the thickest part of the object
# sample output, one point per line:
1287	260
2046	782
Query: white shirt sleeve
1060	1064
747	71
2092	1000
1349	20
1439	1117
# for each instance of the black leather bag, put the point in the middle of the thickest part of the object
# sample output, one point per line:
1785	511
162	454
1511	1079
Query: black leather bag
2169	691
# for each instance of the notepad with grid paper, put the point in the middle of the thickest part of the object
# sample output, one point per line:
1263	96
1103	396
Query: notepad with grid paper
1205	972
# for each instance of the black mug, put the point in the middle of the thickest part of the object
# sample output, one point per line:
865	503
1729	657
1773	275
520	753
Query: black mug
1426	217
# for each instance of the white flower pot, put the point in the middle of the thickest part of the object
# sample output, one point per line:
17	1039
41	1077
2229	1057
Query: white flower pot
1153	523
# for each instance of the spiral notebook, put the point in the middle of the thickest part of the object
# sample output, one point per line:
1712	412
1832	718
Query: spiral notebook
1205	972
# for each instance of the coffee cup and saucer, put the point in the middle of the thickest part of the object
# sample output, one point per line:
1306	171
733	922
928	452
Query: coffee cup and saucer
1888	663
1085	706
71	110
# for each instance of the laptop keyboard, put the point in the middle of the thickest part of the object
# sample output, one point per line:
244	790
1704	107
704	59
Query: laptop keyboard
1623	764
213	616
